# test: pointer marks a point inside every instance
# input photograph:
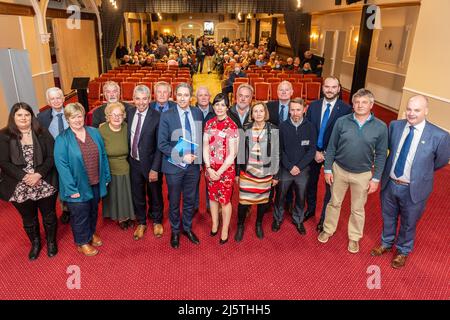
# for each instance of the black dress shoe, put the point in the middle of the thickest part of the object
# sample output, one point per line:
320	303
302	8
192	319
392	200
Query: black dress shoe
213	234
319	227
275	226
239	233
175	240
123	225
301	229
308	215
192	237
65	217
223	241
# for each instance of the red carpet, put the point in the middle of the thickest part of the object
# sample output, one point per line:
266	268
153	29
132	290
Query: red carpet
283	265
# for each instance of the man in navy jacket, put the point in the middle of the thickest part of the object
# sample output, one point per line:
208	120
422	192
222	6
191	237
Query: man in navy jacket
297	149
316	114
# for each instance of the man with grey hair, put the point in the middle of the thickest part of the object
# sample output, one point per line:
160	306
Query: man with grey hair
145	162
111	93
53	119
163	91
358	143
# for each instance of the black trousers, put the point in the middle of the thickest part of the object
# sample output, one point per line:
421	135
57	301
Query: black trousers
260	210
311	190
29	211
140	189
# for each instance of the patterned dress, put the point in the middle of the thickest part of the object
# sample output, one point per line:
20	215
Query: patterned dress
254	183
220	132
24	192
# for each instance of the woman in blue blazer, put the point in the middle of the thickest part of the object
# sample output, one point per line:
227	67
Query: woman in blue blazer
83	168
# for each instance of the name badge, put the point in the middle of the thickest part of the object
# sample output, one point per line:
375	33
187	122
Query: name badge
305	142
222	134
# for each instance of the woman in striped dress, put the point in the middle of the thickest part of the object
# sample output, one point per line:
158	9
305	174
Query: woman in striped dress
258	161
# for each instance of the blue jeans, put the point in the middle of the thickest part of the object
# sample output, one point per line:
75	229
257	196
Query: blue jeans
83	217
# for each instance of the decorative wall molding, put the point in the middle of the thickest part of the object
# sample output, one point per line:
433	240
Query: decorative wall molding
427	95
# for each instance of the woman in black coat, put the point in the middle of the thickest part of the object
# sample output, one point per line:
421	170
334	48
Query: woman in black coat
28	176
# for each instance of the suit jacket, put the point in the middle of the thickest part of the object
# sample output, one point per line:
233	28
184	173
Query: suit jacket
234	115
433	153
172	104
149	154
98	116
170	130
274	111
314	115
69	161
45	118
211	114
12	162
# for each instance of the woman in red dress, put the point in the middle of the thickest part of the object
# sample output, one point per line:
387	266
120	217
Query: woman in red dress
220	145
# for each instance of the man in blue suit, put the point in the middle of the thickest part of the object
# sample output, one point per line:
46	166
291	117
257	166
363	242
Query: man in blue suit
323	114
145	162
182	170
417	149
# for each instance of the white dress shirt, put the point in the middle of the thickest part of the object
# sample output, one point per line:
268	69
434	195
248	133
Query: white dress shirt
133	128
406	177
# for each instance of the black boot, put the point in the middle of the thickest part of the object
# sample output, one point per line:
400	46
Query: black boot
259	230
50	232
34	236
239	233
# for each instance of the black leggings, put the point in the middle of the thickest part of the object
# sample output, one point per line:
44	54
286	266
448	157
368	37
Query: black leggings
242	212
29	211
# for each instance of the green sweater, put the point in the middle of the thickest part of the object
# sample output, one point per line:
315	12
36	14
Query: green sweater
116	145
357	149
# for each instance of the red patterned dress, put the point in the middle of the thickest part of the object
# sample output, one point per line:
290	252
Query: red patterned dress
220	132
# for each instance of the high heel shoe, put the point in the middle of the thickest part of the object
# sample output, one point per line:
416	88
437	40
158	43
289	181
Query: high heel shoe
213	234
223	241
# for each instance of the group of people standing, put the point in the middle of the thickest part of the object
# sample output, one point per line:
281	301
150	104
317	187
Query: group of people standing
273	151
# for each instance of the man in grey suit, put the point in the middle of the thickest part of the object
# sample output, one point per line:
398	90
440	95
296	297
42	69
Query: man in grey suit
417	149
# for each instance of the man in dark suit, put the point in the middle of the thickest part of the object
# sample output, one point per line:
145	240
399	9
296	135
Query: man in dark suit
278	113
111	93
163	91
279	109
204	105
323	114
145	162
182	169
417	149
54	121
237	73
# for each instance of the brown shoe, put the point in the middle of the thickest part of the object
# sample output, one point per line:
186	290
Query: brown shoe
158	230
353	246
378	251
87	250
323	237
139	232
96	241
399	261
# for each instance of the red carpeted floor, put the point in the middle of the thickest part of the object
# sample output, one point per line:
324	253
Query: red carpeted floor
283	265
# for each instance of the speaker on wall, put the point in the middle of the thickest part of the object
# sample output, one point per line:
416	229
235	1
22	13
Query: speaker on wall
233	16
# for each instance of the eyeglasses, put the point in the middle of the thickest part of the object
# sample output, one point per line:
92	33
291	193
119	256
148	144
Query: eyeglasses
116	115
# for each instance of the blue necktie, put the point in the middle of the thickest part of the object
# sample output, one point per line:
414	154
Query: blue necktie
323	125
60	123
282	113
188	130
401	160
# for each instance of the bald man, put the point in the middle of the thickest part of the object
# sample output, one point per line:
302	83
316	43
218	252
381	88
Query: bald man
417	149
